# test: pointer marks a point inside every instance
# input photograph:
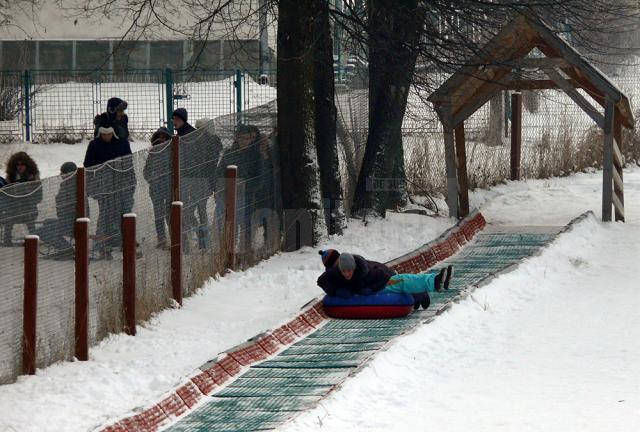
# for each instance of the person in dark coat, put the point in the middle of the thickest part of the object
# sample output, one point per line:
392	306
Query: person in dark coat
19	199
3	182
180	124
348	275
353	275
114	118
248	152
157	172
112	185
200	153
55	231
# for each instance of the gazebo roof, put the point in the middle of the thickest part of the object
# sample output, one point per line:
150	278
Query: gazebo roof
504	63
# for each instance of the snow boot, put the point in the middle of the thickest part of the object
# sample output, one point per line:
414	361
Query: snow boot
426	301
447	279
439	279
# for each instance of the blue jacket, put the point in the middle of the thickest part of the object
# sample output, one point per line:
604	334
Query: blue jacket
100	152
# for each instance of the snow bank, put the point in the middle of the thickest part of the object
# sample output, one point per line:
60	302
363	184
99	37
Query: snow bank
127	372
553	345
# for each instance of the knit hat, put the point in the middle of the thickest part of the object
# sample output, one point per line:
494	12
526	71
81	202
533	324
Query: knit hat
346	261
116	104
158	136
68	167
329	257
181	113
107	130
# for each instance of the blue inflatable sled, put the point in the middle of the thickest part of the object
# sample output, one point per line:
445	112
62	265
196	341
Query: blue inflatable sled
374	306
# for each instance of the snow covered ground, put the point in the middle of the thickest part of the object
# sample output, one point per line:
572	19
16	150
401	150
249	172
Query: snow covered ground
128	372
552	346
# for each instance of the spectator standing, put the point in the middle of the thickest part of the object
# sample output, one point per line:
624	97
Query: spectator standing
112	185
114	118
20	198
55	231
157	173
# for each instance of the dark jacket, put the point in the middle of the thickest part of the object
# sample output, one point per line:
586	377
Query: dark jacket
185	129
157	172
120	127
3	182
119	174
100	152
368	277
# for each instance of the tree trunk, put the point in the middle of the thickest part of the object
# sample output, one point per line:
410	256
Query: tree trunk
394	31
325	120
304	221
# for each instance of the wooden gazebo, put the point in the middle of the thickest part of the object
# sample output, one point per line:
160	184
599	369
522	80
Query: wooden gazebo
505	63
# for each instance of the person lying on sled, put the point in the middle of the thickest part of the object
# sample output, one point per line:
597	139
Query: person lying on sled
347	275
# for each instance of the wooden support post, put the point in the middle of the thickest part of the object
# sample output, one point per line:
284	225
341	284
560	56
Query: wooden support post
607	162
452	180
516	134
129	272
176	250
175	168
30	304
618	172
461	166
81	238
81	193
229	244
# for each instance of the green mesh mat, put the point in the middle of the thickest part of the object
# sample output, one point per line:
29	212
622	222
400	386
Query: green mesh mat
275	390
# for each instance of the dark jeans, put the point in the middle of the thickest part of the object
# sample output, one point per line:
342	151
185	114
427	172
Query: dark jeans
54	231
112	207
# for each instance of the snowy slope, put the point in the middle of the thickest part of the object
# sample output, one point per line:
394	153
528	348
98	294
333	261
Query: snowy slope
127	372
552	346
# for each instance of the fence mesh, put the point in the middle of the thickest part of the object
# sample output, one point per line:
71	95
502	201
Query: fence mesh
138	183
11	106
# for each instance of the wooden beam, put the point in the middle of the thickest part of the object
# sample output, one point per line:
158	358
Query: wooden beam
618	179
619	208
524	84
607	161
577	98
452	181
539	63
617	156
461	166
516	134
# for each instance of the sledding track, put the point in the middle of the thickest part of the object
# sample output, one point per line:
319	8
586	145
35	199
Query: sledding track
273	391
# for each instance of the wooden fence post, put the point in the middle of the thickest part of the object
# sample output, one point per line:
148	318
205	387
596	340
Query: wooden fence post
229	243
129	272
81	237
30	304
176	250
516	135
81	193
461	167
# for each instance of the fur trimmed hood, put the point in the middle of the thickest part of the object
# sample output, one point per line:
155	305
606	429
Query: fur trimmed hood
32	173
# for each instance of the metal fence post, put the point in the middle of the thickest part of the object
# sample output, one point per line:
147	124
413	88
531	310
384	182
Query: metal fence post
30	304
168	84
81	239
81	193
27	105
129	272
175	168
238	84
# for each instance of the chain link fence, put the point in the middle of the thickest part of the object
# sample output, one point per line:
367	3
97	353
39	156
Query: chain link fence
139	183
59	105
